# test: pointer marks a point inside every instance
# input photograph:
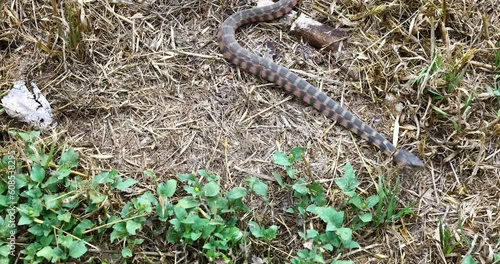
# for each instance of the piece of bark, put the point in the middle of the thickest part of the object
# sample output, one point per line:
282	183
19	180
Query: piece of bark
319	35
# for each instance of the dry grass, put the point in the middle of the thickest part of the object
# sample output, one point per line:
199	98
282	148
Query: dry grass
143	86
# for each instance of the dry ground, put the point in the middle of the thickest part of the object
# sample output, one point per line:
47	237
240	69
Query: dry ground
145	87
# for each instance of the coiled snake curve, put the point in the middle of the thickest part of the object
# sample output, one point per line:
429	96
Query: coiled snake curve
266	69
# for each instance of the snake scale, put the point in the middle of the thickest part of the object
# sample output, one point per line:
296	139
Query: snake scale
292	83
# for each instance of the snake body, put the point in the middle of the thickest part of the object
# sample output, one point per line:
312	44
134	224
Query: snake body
292	83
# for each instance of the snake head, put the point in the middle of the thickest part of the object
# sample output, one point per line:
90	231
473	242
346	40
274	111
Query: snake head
405	158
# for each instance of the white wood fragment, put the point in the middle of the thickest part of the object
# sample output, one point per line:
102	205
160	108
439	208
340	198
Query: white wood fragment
264	3
27	106
304	21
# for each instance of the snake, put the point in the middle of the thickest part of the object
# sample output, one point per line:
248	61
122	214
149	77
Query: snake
265	68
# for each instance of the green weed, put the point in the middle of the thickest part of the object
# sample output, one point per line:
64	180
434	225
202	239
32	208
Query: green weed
361	206
494	89
441	81
447	240
68	29
206	217
470	260
48	200
387	209
64	212
337	234
74	34
266	234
